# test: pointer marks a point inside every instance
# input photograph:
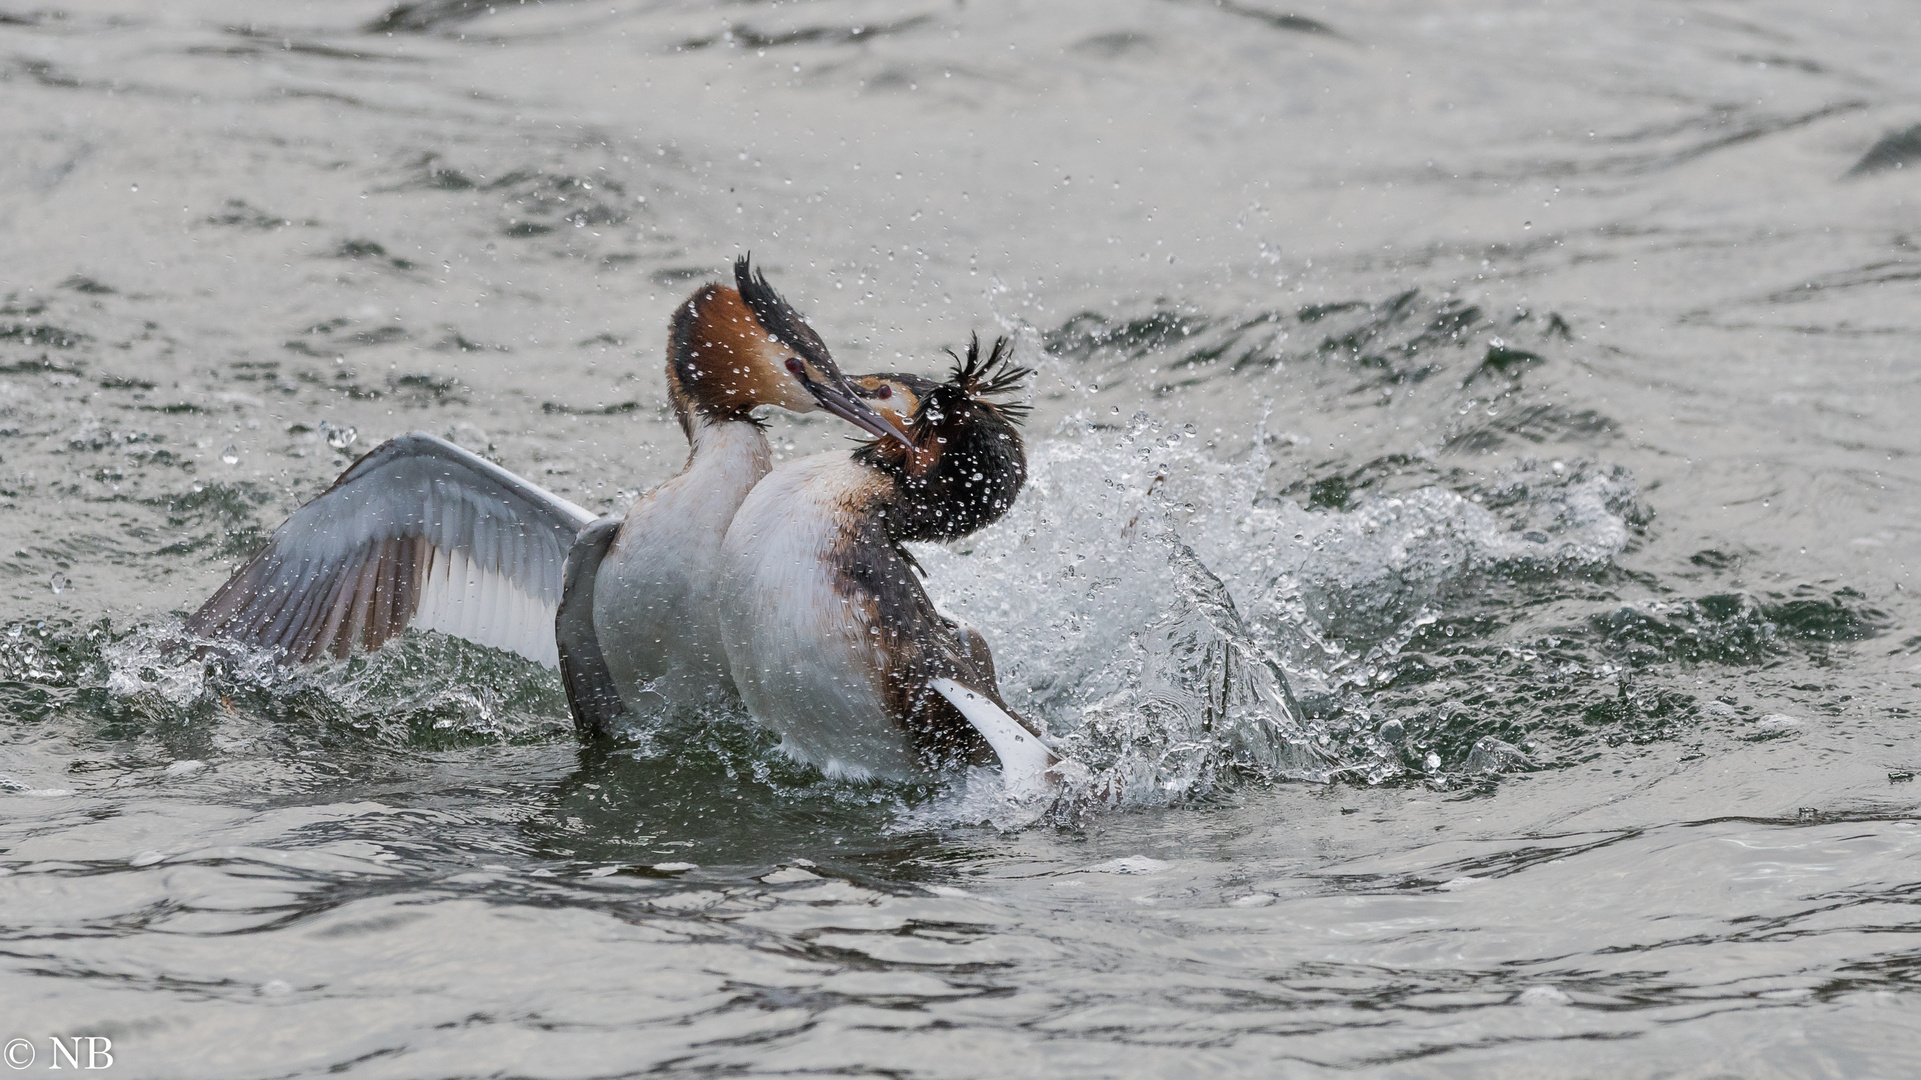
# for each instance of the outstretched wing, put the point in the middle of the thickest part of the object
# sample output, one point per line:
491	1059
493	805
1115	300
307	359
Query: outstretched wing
417	533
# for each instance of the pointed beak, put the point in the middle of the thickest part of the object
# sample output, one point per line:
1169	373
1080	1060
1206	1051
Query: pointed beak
838	399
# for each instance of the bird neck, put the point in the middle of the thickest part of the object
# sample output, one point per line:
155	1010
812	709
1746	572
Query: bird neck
716	440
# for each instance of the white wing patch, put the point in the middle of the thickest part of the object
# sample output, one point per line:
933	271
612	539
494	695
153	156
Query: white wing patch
462	600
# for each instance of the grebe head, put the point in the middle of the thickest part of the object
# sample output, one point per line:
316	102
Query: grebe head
733	350
895	396
966	462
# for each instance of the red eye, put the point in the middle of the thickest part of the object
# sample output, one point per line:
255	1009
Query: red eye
884	392
794	365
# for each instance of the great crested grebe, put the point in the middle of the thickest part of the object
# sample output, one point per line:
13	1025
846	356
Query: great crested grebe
422	533
831	639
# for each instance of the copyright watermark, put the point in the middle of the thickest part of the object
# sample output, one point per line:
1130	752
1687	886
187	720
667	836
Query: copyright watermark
83	1052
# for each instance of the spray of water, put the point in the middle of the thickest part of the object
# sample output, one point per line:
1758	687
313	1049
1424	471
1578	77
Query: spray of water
1159	615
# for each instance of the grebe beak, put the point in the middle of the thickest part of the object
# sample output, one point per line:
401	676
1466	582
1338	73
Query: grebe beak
838	398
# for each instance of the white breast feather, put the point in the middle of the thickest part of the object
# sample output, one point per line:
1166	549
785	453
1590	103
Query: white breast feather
804	657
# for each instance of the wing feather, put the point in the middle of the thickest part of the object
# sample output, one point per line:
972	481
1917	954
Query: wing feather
279	595
387	555
465	625
361	588
496	601
417	533
915	645
339	598
486	549
308	617
467	596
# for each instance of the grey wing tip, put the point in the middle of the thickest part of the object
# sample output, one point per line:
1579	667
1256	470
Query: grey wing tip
592	696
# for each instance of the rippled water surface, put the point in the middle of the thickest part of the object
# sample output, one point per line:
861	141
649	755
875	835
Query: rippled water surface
1475	495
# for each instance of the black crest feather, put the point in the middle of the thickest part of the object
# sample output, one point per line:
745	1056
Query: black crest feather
776	315
992	376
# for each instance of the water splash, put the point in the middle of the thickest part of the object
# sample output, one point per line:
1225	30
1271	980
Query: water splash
422	692
1180	633
338	436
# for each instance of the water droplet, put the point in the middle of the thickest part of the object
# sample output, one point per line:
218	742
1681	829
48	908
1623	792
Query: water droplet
59	582
1432	762
230	454
339	436
1527	224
